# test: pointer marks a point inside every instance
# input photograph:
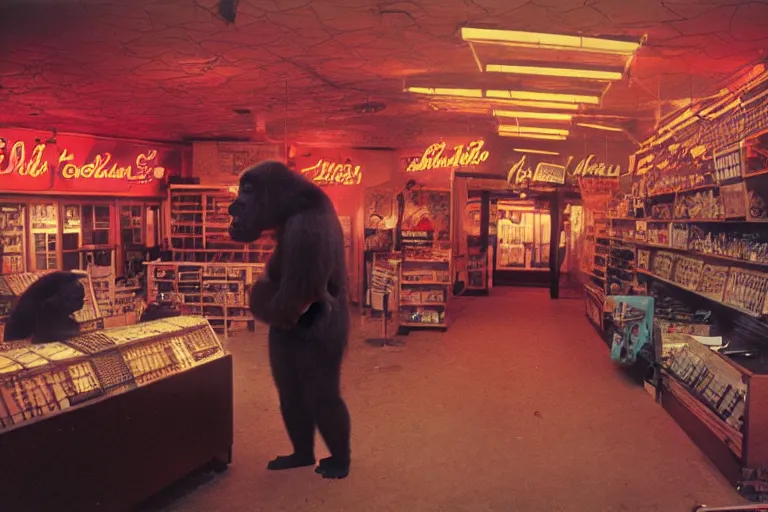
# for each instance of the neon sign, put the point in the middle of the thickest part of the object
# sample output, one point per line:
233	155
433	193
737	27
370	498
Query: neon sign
519	173
102	167
334	173
589	168
463	155
34	167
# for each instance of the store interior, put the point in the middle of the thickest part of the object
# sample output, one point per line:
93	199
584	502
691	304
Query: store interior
600	168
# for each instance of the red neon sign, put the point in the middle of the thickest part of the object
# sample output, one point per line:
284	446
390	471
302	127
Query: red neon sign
84	165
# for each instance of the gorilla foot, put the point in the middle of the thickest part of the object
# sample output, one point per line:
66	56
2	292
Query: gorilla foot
332	468
293	461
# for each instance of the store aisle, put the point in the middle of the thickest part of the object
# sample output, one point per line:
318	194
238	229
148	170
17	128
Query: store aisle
515	408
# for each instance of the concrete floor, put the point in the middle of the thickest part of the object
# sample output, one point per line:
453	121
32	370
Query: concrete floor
516	408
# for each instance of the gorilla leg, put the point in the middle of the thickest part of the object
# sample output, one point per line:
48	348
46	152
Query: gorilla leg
284	358
323	390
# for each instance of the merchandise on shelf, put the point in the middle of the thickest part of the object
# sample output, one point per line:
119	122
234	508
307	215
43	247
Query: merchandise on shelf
721	240
217	291
746	290
713	281
698	205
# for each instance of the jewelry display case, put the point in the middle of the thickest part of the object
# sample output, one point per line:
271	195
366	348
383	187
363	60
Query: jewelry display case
108	418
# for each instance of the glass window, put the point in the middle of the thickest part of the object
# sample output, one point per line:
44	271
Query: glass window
131	225
45	221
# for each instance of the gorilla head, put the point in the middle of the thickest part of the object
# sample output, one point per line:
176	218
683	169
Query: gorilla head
44	310
269	194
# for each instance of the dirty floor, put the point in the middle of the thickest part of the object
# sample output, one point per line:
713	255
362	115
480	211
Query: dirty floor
516	408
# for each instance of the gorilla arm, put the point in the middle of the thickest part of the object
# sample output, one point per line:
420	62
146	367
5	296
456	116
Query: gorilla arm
307	252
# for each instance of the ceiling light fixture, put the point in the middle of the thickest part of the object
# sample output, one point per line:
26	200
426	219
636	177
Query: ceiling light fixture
532	136
506	128
548	41
549	116
543	96
438	91
535	151
600	127
553	71
551	97
493	102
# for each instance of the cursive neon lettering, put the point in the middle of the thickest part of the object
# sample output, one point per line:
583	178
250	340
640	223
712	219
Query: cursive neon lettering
334	173
519	173
588	168
464	155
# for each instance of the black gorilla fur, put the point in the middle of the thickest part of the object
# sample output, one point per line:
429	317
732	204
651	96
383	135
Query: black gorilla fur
44	311
303	298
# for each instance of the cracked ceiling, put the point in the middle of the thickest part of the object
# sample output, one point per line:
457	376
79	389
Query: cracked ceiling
174	70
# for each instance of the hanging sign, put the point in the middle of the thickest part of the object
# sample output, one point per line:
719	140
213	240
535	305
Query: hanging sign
521	172
83	165
326	172
729	164
463	155
549	173
589	168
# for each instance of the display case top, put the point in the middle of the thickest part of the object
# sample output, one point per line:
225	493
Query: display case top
44	379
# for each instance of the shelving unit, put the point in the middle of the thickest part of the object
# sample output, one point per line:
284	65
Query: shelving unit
12	238
425	290
199	222
217	291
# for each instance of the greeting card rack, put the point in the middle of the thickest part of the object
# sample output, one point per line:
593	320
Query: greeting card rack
107	419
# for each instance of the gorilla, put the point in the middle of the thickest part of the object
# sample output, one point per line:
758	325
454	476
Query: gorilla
302	296
44	311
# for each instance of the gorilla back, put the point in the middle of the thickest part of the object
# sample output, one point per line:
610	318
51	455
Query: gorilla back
303	298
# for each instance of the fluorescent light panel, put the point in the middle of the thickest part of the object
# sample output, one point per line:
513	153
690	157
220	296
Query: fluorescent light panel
550	71
438	91
507	95
532	136
549	116
553	41
600	127
535	151
532	129
543	96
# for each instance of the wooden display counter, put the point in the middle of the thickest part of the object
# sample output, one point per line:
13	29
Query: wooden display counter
722	406
109	418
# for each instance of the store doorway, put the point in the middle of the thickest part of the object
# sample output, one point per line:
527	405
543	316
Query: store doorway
522	242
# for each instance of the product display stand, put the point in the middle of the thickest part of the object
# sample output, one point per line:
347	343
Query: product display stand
425	291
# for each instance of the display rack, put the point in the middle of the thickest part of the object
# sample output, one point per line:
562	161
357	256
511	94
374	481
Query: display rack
425	288
696	217
198	221
218	291
12	238
13	286
147	404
